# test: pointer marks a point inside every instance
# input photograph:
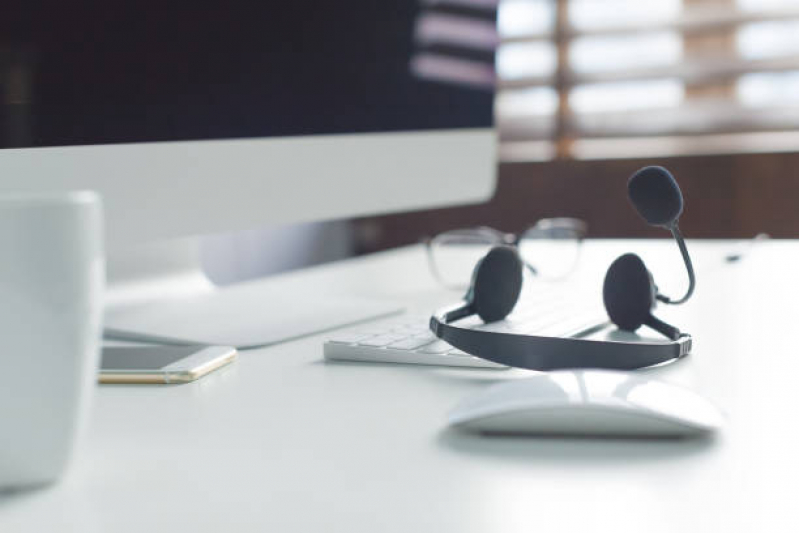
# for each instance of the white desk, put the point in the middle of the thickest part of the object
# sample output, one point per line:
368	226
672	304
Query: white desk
282	441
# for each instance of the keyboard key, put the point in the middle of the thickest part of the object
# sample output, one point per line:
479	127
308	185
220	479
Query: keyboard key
352	337
380	340
410	344
585	326
408	330
438	347
572	325
426	335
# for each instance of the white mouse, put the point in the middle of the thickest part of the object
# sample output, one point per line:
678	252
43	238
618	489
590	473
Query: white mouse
588	403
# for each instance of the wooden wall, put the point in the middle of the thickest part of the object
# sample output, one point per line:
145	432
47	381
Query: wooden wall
725	197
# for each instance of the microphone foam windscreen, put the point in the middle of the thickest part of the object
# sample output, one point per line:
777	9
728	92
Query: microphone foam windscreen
497	284
656	196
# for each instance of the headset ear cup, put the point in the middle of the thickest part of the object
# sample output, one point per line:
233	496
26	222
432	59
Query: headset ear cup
496	284
469	297
628	292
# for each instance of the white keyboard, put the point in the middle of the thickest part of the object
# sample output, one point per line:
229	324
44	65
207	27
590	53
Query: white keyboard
408	339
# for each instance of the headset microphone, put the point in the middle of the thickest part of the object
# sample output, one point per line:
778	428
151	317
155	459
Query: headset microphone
657	198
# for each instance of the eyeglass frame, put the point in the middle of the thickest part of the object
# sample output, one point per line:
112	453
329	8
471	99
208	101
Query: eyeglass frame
579	226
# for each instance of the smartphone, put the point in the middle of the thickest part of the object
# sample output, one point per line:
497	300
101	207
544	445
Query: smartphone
162	364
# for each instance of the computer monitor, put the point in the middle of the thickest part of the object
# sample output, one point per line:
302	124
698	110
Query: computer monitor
192	118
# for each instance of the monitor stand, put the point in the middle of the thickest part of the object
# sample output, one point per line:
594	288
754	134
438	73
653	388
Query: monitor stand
159	293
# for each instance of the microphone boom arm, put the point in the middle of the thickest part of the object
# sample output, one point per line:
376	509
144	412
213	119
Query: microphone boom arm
675	231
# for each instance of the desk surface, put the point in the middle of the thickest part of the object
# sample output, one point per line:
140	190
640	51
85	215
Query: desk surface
282	441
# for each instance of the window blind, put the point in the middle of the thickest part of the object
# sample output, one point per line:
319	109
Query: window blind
631	78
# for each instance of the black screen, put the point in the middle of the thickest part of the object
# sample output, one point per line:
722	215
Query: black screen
109	71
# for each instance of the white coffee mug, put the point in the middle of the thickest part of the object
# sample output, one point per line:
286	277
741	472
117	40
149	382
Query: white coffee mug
52	275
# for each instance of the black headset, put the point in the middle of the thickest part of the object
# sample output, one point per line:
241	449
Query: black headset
629	293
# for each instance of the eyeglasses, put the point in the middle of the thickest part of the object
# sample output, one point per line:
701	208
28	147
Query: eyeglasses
550	249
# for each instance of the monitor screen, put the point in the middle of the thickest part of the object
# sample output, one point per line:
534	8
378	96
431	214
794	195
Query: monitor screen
121	71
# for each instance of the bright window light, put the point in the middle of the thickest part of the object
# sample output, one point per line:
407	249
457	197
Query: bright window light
626	96
525	17
517	60
762	90
539	101
585	14
595	54
764	5
769	39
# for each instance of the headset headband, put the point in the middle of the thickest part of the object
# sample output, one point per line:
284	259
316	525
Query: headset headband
552	353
